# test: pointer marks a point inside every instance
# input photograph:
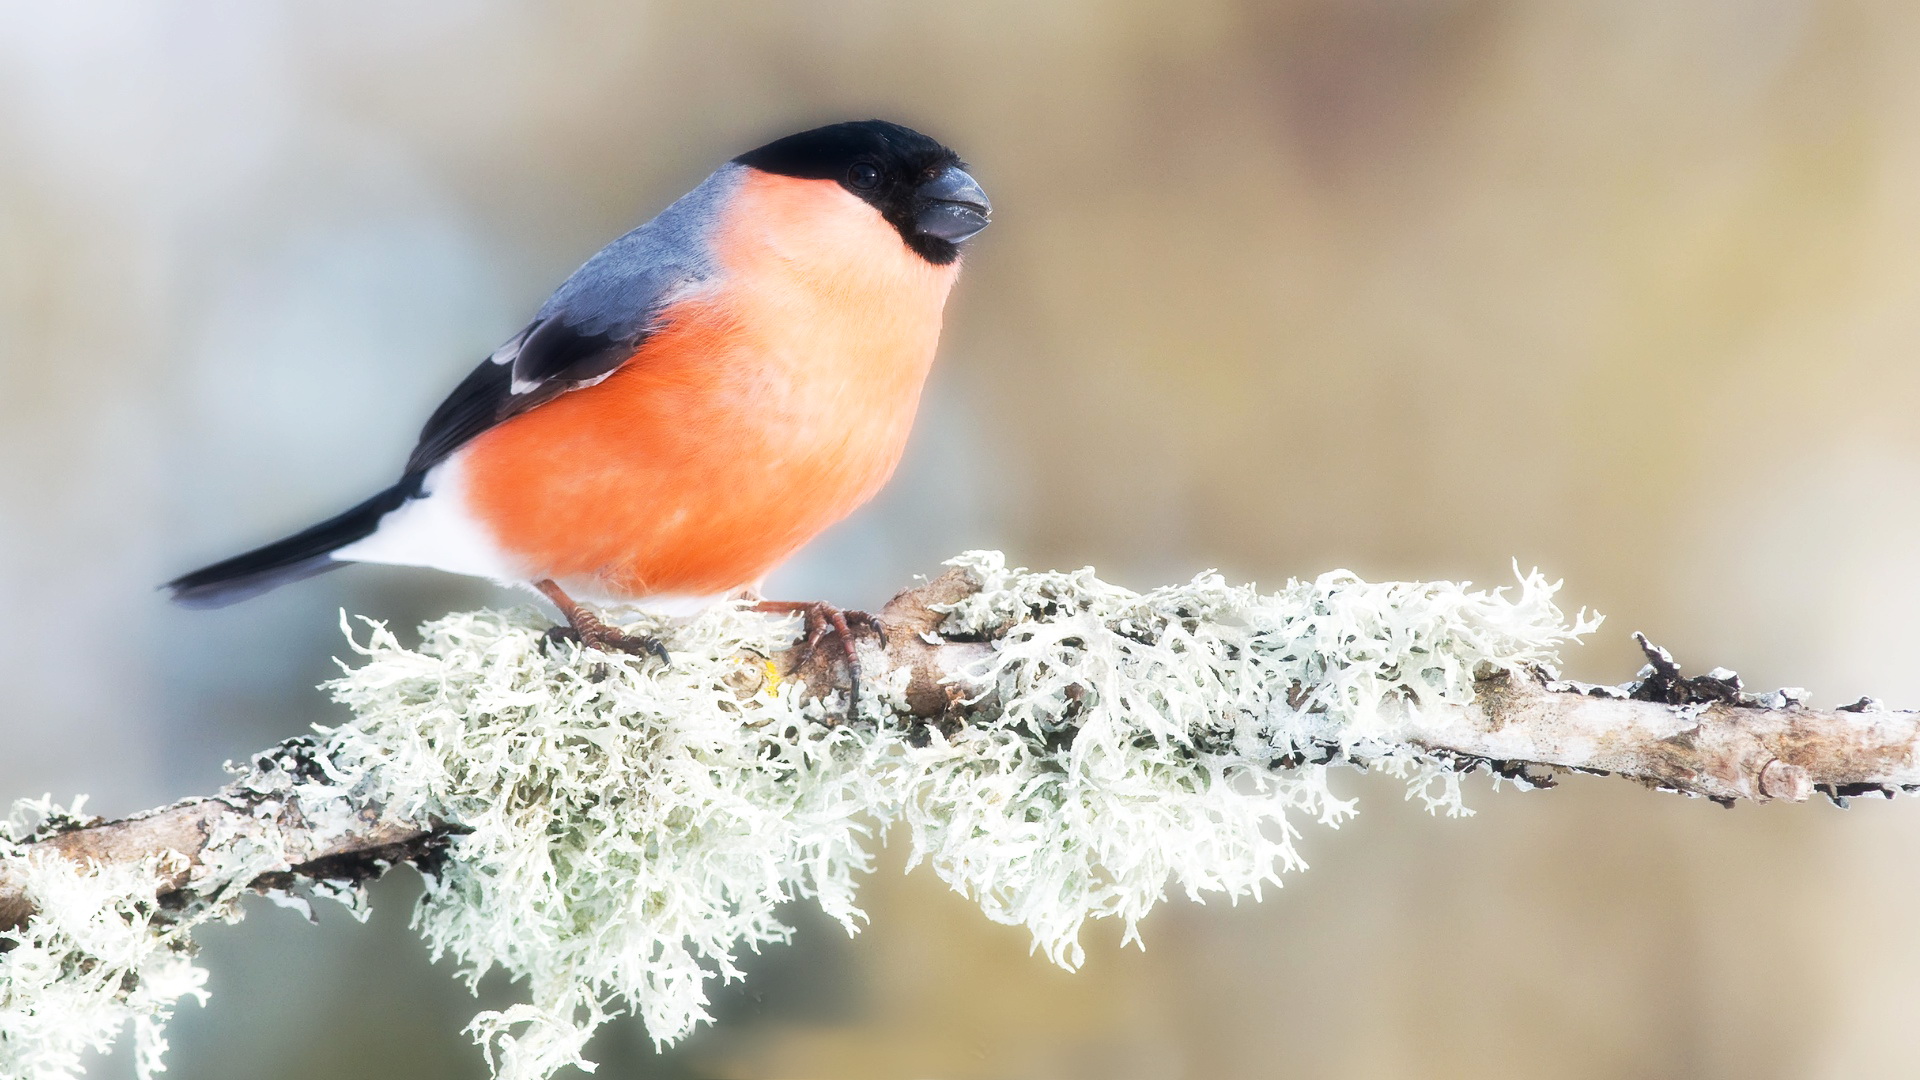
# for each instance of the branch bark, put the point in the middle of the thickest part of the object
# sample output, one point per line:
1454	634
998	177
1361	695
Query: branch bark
1702	736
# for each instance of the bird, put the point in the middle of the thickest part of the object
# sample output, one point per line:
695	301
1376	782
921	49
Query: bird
698	400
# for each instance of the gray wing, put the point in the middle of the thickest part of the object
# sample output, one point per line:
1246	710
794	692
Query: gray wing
599	319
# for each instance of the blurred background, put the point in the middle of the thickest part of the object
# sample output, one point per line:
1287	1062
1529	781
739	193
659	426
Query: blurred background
1626	289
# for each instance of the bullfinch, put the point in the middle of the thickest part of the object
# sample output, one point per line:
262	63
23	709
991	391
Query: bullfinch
702	397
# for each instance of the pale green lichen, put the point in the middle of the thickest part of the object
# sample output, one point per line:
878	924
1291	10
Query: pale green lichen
96	957
626	829
1168	737
632	827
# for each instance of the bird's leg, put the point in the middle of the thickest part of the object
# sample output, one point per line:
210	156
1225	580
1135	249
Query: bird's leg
822	620
591	631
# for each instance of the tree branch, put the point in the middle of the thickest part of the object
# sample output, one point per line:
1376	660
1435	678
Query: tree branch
1701	736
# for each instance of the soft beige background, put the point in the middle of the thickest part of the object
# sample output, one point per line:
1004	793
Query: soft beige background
1625	288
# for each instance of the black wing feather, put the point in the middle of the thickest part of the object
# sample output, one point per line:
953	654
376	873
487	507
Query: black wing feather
555	350
553	358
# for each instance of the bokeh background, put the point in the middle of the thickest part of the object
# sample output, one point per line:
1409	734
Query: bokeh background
1627	289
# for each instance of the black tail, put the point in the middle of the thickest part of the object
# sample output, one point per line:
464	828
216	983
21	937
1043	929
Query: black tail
301	555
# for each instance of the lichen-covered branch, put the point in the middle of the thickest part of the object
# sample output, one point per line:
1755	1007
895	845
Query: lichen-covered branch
614	830
198	829
1700	736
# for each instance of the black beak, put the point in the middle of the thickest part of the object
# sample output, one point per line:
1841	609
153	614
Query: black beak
954	208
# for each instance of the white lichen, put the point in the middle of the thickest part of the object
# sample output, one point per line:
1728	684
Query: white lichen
96	957
1144	739
629	827
623	830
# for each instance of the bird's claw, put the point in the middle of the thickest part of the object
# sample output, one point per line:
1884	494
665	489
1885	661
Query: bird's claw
823	620
591	633
871	622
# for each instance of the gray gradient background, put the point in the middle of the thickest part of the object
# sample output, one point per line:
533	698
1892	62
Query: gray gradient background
1623	289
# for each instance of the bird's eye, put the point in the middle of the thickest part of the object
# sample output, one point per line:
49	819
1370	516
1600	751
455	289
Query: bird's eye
864	175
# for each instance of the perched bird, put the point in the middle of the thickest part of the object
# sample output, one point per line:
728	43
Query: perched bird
702	397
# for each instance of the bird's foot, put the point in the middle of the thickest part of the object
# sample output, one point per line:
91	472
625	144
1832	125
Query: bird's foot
823	620
591	631
594	634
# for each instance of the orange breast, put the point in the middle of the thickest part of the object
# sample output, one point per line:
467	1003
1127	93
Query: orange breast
759	415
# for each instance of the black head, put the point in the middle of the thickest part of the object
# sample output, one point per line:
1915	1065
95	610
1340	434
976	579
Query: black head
919	186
